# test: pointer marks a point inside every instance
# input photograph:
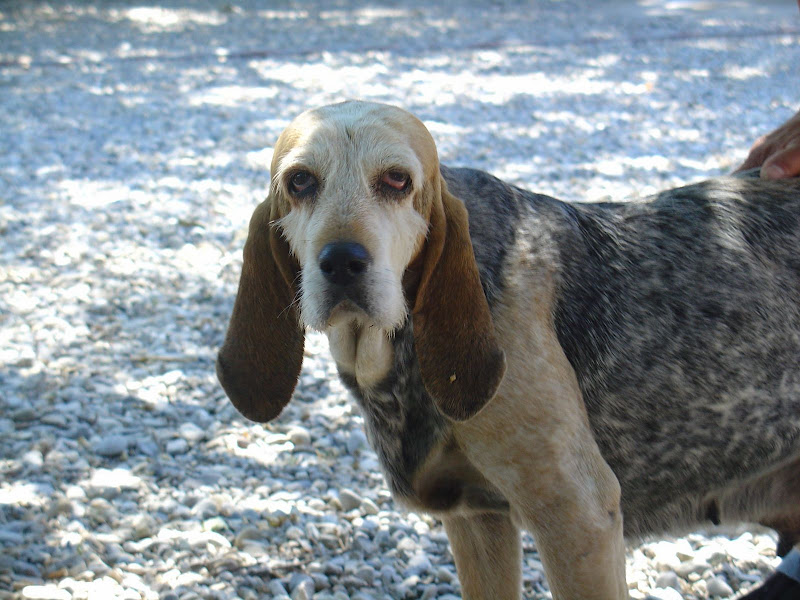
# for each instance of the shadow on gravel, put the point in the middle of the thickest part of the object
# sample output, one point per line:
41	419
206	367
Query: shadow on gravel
136	142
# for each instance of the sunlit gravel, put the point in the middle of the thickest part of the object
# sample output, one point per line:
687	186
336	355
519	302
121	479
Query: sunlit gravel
135	142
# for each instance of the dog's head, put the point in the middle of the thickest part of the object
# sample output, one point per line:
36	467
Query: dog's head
359	226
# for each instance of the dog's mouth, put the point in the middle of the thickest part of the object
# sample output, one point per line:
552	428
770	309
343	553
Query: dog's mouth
367	303
346	309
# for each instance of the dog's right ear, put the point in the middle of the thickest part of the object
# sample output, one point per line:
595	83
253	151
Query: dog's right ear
259	362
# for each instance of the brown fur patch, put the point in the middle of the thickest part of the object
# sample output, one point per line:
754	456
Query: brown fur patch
260	361
462	365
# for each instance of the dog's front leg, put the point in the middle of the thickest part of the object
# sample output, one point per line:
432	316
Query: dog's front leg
569	499
533	442
488	557
578	534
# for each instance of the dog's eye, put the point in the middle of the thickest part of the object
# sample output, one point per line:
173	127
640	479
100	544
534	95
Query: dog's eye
302	183
396	181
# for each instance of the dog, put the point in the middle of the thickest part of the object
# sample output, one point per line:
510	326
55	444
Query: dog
588	372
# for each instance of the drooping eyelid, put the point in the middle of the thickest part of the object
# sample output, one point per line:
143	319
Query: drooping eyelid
409	165
403	172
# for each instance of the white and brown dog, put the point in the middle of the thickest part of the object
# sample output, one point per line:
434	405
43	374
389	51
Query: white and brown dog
586	372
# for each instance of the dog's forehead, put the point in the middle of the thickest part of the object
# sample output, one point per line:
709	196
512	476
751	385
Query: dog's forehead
369	125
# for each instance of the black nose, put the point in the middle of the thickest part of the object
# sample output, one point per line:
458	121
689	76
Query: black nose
343	263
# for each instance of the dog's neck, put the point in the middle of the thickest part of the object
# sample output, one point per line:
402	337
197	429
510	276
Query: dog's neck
361	350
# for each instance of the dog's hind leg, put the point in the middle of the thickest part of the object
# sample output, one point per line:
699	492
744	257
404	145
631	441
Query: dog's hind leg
788	529
488	556
773	500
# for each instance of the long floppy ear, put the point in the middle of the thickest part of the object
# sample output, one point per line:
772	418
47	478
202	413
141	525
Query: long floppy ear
460	360
259	363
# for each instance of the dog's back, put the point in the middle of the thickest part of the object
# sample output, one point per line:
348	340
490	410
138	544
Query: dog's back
681	317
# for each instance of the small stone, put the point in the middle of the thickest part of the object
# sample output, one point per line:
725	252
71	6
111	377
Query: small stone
408	584
369	507
24	415
299	436
111	446
684	554
45	592
33	458
665	594
687	568
349	500
54	419
700	588
294	533
101	510
75	492
668	579
248	534
431	591
205	508
177	446
22	567
356	441
321	582
302	587
407	545
143	526
444	575
276	588
665	552
62	506
366	573
110	482
419	564
718	588
389	575
191	433
11	538
147	447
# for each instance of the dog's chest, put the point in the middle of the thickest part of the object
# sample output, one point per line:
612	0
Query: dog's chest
401	420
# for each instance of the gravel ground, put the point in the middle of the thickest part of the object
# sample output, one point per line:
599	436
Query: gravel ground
135	141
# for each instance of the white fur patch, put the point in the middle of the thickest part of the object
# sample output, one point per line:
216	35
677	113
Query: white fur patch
362	351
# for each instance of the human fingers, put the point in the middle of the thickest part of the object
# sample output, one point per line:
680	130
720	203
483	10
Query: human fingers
784	163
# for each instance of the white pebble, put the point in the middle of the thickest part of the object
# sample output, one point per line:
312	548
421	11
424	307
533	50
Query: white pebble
718	588
45	592
349	499
668	579
177	446
191	433
299	436
666	594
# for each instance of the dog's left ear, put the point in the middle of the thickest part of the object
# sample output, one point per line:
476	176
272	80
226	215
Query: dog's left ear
461	363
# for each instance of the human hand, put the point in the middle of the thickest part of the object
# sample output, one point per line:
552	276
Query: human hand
777	153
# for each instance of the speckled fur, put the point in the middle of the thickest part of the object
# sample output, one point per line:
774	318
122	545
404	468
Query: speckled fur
401	420
680	316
